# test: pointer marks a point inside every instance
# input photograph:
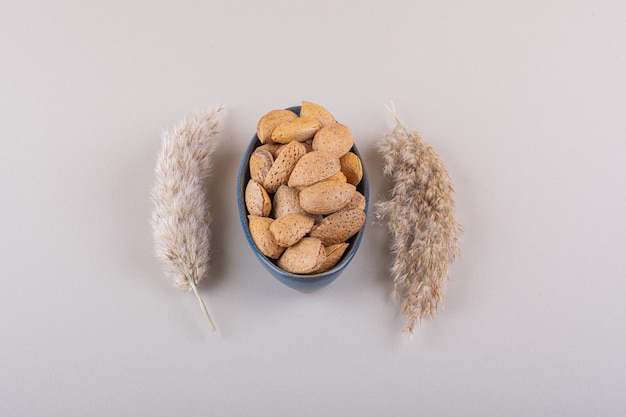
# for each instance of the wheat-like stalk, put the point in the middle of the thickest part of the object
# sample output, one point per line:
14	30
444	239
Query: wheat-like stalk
181	219
420	215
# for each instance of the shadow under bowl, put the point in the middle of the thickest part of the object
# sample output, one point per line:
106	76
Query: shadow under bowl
309	282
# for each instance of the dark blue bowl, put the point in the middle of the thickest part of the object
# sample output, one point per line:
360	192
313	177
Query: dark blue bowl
304	283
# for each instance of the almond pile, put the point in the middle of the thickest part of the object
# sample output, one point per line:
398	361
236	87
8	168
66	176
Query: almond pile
301	198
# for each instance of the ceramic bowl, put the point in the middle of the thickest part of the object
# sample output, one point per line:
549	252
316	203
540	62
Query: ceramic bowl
304	283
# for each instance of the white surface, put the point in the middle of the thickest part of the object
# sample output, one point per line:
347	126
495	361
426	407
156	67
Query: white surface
524	101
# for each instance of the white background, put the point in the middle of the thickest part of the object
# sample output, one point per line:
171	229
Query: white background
524	101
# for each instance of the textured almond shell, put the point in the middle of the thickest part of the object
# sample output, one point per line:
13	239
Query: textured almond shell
333	255
326	197
283	165
289	229
286	201
304	257
339	227
335	138
272	148
317	112
258	202
338	177
356	202
352	167
263	238
300	129
260	163
270	121
314	167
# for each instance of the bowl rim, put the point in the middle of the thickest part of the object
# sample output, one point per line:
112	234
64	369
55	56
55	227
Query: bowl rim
354	241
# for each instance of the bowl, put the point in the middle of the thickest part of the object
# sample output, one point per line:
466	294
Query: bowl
304	283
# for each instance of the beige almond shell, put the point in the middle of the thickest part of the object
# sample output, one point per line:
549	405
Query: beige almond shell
258	202
338	177
326	197
317	112
333	255
335	138
285	202
352	167
283	165
263	238
300	129
339	227
304	257
289	229
356	202
314	167
270	121
261	161
272	148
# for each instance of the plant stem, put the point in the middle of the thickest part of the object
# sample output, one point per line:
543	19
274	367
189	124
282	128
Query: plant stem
206	312
192	284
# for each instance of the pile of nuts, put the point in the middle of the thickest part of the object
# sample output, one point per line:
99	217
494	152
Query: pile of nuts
301	198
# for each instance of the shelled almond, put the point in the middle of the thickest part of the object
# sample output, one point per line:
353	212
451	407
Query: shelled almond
302	201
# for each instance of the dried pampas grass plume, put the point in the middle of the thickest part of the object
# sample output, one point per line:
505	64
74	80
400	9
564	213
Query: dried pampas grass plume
181	219
420	214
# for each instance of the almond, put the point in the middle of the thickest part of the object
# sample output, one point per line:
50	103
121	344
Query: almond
289	229
339	227
335	138
304	257
258	201
356	202
314	167
315	111
272	148
326	197
338	177
352	168
300	129
333	255
261	161
270	121
263	238
286	202
283	165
